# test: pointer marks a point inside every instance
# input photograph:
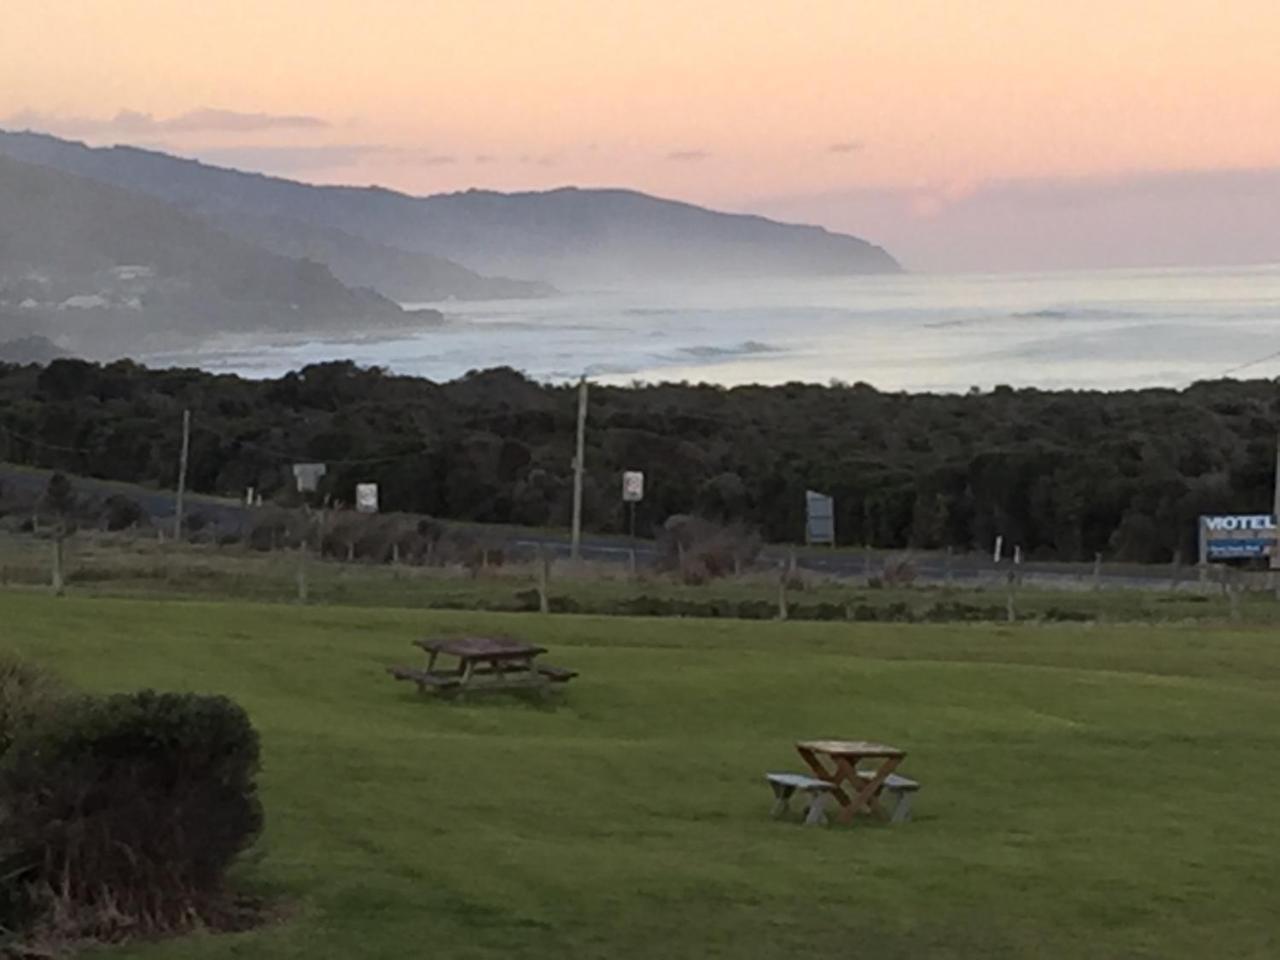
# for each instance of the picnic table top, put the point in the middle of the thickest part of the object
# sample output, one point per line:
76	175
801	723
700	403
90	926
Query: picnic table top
850	748
481	648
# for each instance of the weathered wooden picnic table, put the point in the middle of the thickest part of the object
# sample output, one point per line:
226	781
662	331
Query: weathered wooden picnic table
482	664
836	761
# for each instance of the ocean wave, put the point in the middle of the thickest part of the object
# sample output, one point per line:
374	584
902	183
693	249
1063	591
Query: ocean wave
1074	313
744	349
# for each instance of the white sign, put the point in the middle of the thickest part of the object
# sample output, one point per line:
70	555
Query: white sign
308	476
1261	523
367	497
632	486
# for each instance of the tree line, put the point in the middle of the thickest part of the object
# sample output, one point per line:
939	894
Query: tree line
1063	474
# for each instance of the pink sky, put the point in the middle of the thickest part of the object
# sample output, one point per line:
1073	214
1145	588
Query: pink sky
873	117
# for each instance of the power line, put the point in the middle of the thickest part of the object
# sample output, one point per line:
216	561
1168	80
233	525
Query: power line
1252	363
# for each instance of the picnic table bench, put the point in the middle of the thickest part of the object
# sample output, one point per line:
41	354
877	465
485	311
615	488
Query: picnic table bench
482	664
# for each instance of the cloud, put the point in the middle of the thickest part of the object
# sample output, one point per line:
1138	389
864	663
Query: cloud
539	160
207	119
321	156
932	200
1138	218
688	156
289	159
138	123
846	147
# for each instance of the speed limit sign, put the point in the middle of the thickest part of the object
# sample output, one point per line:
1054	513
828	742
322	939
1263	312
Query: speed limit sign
632	486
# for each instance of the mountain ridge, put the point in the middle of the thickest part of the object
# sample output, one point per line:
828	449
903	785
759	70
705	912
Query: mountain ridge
101	270
567	235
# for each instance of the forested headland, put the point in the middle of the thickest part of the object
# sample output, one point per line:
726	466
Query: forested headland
1063	474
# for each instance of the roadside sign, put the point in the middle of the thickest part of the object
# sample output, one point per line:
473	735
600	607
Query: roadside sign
820	518
367	497
1238	536
632	486
307	476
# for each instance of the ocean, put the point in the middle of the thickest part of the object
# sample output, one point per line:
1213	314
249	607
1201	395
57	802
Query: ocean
914	332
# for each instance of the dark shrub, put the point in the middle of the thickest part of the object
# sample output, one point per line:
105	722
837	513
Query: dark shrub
28	695
124	813
757	610
1063	615
898	572
951	611
701	550
822	611
120	513
528	601
273	528
564	605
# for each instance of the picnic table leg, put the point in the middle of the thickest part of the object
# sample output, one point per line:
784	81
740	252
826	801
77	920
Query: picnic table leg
902	812
817	815
467	667
822	773
867	795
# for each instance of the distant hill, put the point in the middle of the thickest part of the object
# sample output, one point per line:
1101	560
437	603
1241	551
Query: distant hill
398	274
567	236
32	349
106	271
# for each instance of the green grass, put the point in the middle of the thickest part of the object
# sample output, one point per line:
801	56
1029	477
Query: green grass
1089	792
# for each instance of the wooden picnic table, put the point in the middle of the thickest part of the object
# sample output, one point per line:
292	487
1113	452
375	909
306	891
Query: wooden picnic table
836	761
483	663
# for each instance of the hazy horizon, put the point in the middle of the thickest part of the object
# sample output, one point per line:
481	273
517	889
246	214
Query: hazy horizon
1017	137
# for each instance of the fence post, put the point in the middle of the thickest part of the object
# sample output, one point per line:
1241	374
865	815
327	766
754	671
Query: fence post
1097	571
58	580
782	593
302	560
1011	610
544	580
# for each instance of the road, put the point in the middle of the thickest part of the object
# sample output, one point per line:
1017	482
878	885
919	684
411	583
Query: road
231	517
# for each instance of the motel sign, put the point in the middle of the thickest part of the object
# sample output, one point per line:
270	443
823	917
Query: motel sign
1237	536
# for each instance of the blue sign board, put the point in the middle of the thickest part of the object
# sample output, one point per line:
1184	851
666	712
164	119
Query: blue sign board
1238	536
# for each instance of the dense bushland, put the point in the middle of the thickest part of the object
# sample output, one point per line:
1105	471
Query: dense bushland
1063	474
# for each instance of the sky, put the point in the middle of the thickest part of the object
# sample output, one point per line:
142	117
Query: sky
961	134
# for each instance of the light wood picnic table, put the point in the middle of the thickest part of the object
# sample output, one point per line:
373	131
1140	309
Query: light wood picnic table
836	761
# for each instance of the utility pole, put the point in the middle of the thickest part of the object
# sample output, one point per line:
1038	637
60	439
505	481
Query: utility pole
182	475
1275	514
578	467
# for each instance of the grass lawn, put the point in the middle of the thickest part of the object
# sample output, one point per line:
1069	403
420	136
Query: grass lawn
1089	791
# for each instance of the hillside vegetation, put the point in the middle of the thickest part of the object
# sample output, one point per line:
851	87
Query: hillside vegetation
1062	474
105	270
